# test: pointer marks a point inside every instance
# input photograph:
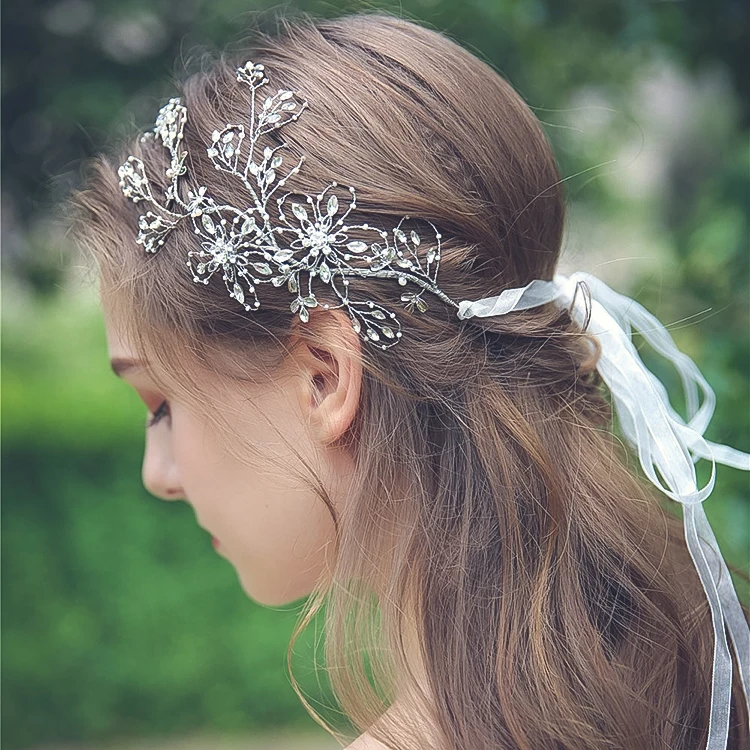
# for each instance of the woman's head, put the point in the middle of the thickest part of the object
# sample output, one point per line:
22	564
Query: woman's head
419	127
455	491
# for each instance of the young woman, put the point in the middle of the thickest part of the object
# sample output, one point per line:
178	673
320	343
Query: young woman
330	273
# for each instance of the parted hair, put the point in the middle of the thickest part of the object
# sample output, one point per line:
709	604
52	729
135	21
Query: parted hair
498	518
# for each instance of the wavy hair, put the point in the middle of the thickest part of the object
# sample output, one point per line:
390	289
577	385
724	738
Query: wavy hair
499	526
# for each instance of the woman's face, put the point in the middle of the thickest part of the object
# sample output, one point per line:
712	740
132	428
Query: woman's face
274	530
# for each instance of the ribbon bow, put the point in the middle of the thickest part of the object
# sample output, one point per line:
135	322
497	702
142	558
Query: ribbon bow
663	441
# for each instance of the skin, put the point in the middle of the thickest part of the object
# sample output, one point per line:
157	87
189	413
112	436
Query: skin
274	530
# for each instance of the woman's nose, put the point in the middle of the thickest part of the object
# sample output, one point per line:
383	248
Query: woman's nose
159	471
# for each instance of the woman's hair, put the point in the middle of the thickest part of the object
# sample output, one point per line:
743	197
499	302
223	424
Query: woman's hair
552	598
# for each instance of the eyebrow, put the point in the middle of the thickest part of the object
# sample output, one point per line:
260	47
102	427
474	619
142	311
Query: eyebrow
121	366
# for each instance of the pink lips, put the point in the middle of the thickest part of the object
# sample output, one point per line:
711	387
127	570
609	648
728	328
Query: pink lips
214	541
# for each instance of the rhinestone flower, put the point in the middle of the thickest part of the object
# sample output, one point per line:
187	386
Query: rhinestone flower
306	242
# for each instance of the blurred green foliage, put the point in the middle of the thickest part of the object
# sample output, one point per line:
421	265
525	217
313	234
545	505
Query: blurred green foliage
75	70
710	241
118	617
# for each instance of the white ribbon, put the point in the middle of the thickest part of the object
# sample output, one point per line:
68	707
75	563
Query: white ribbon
664	442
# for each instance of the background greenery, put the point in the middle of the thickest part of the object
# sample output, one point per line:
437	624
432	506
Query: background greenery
118	619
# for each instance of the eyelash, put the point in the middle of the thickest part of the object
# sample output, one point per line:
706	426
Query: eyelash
159	414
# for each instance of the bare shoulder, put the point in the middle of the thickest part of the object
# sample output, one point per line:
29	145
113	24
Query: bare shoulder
366	742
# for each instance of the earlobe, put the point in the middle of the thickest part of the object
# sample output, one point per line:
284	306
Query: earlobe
331	372
336	389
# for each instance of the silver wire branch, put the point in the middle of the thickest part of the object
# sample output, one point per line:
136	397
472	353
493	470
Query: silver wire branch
308	235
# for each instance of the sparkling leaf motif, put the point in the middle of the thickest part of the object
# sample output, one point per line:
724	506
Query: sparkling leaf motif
309	238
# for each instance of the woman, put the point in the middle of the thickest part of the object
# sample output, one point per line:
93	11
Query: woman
433	462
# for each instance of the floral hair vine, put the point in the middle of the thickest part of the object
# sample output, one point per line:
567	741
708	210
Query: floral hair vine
308	234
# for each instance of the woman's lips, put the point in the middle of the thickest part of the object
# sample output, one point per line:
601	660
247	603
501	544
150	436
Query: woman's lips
214	541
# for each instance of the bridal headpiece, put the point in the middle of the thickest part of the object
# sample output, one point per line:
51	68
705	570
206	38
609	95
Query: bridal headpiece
278	236
264	243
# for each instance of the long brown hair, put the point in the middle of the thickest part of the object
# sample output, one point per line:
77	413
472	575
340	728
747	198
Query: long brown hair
550	597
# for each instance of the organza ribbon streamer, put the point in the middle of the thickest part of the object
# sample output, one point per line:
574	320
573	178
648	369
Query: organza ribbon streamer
664	443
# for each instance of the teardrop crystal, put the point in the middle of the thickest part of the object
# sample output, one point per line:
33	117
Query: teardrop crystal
299	211
208	224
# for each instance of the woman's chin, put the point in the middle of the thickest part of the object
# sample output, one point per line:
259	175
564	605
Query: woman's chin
268	595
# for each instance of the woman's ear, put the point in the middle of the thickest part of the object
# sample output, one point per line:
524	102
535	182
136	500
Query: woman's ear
328	362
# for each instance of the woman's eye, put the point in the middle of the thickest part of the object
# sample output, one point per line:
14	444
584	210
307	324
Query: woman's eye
159	414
